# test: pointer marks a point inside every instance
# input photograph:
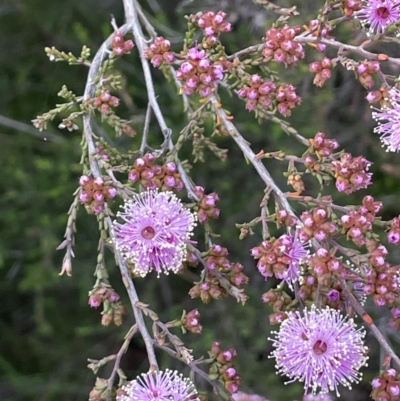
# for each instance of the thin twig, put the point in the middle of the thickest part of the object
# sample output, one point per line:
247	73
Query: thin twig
144	144
368	320
17	125
96	171
132	331
251	156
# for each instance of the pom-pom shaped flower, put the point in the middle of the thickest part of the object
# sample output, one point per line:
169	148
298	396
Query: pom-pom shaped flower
377	15
388	119
155	232
322	349
158	386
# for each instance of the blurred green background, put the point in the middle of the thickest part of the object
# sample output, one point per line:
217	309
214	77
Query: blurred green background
47	330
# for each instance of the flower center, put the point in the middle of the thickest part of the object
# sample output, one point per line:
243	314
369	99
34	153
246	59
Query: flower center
148	232
320	347
383	12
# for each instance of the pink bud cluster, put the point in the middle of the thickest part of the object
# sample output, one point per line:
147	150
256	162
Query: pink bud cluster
199	73
159	52
319	30
212	25
101	152
266	95
280	45
380	95
104	102
284	218
381	278
258	92
112	308
322	146
94	193
386	387
191	321
316	224
119	45
322	69
351	6
359	222
154	176
393	234
364	70
98	296
218	265
207	205
394	322
324	265
351	173
279	303
222	368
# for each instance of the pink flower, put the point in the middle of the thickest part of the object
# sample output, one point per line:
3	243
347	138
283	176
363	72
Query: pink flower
158	386
377	15
388	119
321	348
155	230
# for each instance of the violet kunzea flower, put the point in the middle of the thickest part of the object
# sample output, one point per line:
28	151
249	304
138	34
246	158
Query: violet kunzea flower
158	386
377	15
297	253
388	119
154	233
321	348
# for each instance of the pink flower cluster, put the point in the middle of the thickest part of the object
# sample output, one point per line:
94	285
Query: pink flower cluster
104	102
386	387
280	45
322	69
207	207
199	74
320	348
377	15
159	52
212	25
357	223
351	173
265	94
222	367
94	193
316	224
281	258
119	45
388	118
364	71
154	176
158	385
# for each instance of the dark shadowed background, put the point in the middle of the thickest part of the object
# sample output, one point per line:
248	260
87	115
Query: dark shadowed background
47	330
